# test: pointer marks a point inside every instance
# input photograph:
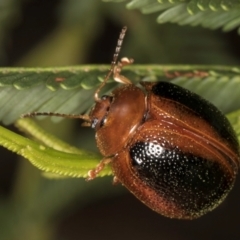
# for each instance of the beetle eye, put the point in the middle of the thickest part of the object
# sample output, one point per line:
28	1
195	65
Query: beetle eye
103	121
94	123
100	111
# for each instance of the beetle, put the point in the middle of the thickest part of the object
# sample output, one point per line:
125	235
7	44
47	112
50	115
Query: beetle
175	151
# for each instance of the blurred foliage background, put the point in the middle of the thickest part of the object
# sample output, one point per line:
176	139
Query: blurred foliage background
73	32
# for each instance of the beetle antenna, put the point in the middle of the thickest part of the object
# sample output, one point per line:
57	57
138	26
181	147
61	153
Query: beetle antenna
33	114
96	97
113	63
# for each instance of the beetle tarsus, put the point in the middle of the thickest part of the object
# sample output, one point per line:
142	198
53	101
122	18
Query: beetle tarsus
118	68
94	172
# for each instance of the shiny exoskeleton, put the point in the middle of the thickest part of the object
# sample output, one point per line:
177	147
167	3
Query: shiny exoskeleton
172	149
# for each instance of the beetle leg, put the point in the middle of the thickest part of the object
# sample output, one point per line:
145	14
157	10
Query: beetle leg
118	68
94	172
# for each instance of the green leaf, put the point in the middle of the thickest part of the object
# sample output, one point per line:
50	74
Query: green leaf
50	89
71	89
235	121
31	128
50	160
211	14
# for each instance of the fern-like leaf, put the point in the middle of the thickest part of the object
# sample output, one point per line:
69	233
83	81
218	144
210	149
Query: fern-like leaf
211	14
70	90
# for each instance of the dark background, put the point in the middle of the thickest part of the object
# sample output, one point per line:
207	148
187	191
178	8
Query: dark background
36	33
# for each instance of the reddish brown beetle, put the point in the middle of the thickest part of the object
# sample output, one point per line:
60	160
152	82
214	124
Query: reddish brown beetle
173	150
